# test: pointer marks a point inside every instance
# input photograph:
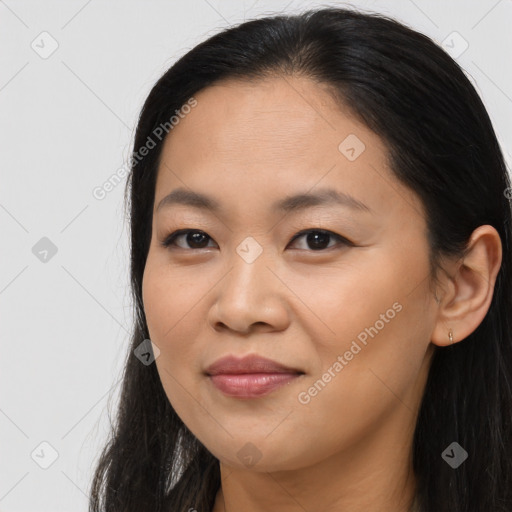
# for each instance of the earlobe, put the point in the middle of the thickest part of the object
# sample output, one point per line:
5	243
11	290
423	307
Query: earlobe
471	284
443	336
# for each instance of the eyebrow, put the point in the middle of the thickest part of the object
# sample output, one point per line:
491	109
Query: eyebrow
297	202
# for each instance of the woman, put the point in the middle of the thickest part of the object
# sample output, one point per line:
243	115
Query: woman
321	259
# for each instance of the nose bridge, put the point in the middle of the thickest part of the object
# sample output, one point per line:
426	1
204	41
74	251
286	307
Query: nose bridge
249	278
249	292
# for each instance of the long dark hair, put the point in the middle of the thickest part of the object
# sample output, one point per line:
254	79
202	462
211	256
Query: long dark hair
442	146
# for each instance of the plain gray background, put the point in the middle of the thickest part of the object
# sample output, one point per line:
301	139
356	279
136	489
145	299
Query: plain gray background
67	122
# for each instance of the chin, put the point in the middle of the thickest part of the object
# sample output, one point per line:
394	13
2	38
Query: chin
261	455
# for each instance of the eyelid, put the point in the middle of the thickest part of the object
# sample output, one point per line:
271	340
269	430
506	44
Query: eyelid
169	240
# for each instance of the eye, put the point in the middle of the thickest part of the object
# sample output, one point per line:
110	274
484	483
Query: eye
318	239
194	237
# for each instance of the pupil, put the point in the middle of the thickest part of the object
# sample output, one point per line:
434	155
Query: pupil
196	239
317	240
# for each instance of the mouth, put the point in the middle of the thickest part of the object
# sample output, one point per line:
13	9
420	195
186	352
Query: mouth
250	377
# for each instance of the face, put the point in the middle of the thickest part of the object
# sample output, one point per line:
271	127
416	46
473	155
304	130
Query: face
333	285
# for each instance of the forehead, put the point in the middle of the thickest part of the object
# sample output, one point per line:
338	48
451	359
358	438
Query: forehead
273	117
269	138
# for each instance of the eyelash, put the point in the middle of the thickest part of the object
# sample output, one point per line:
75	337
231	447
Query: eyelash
170	240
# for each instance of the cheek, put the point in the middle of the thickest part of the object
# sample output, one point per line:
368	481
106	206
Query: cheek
169	299
377	329
171	305
343	305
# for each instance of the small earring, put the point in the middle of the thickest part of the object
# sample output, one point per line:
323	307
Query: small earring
450	336
436	298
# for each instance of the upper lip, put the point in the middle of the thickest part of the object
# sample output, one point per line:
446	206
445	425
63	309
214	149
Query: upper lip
248	364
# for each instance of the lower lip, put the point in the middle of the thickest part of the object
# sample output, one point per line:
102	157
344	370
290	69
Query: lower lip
251	385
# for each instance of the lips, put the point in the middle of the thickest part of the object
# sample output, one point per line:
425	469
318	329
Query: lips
248	364
250	377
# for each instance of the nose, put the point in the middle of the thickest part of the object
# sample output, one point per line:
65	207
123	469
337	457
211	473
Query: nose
250	297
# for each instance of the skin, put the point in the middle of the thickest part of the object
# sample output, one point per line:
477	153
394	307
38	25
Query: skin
349	448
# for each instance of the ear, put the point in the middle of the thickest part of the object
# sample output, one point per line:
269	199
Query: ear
469	288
